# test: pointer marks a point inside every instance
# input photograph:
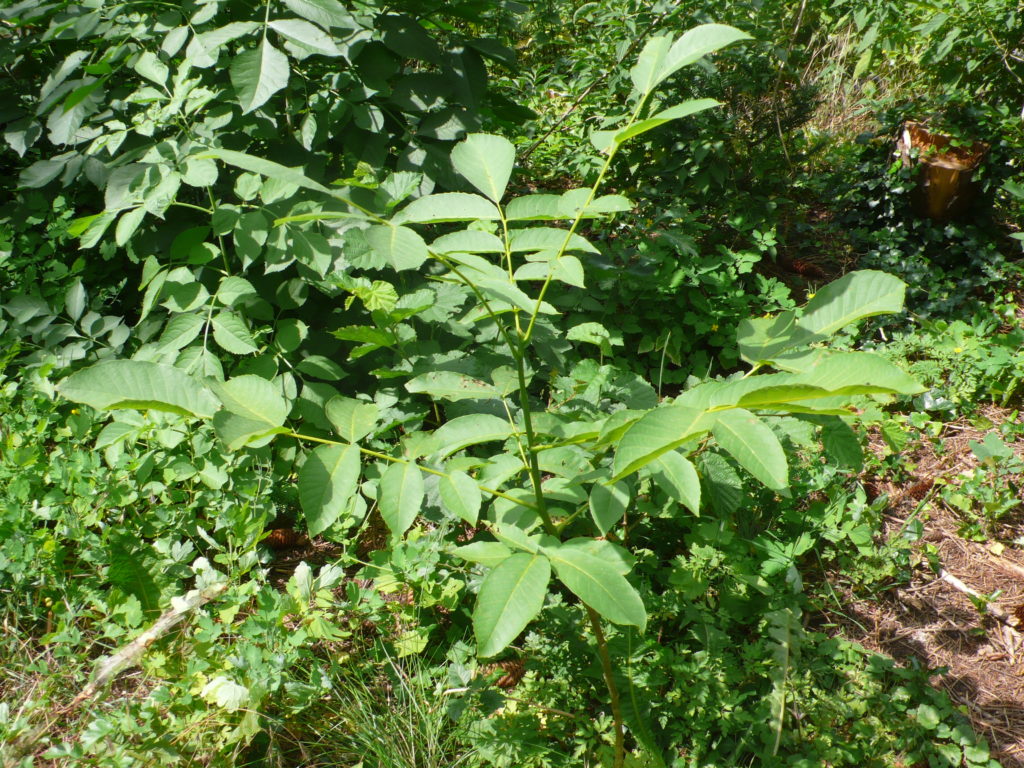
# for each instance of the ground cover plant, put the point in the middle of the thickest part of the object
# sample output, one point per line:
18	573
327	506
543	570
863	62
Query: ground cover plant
463	385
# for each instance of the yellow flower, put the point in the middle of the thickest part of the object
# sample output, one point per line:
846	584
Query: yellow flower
810	296
714	326
958	350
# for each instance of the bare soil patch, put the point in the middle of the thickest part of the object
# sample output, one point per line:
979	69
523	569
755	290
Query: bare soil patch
977	650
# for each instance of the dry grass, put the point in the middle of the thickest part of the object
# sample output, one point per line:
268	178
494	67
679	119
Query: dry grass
938	625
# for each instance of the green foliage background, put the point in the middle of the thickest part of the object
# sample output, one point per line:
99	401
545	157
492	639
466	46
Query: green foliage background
483	298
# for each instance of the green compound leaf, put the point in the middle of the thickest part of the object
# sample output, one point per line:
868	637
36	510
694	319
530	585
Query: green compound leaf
510	597
400	246
253	397
327	481
658	432
486	162
676	476
598	584
464	431
401	496
352	419
140	386
752	443
258	74
460	495
608	504
447	206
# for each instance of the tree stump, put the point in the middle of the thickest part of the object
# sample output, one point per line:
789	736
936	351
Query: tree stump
945	183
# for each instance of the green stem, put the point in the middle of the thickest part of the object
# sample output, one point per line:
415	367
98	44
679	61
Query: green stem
609	681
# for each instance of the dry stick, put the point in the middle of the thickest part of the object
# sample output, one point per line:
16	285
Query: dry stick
1007	565
129	655
991	608
126	657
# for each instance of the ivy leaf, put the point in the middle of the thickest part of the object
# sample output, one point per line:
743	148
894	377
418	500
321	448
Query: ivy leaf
401	496
327	481
510	597
257	74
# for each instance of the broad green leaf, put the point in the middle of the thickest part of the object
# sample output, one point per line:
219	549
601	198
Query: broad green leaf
666	115
140	386
460	495
487	553
203	49
267	168
598	584
181	330
401	496
752	443
645	73
400	246
238	431
352	419
676	476
320	367
547	239
305	35
128	224
842	444
254	398
468	241
853	297
326	13
486	162
762	338
327	481
540	207
502	290
150	67
510	597
230	333
464	431
617	557
859	373
75	300
258	74
696	43
447	206
608	504
449	385
658	432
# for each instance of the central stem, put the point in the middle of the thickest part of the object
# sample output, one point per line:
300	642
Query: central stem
609	681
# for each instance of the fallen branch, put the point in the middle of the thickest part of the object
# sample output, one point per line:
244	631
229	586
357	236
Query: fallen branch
1006	565
981	600
130	655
